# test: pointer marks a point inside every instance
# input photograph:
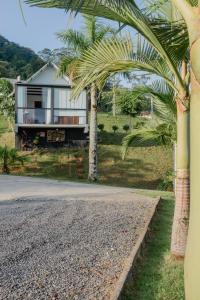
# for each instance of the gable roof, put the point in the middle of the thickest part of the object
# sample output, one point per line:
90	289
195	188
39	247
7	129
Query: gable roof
43	69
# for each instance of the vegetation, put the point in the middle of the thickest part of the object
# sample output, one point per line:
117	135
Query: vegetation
162	50
8	158
7	102
80	42
161	130
144	167
115	128
126	127
17	60
101	127
156	271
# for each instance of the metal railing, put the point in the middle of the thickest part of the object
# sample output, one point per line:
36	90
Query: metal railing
44	116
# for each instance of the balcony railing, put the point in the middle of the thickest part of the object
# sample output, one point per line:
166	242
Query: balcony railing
44	116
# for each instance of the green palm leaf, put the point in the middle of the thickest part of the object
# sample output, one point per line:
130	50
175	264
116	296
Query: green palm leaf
124	11
117	55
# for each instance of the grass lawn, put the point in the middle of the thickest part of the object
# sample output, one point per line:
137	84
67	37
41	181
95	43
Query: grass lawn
144	167
157	276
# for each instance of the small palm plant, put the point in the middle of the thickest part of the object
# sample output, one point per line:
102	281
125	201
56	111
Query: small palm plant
101	127
9	157
115	128
126	127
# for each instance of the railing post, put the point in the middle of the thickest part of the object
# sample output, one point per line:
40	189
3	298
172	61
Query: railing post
52	105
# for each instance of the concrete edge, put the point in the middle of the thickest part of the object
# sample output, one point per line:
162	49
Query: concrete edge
130	263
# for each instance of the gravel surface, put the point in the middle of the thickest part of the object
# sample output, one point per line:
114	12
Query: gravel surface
67	248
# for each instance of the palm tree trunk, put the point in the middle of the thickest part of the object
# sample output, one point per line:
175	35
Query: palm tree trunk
192	261
93	136
181	213
114	101
182	192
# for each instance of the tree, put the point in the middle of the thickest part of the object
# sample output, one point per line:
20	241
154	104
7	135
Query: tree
7	102
190	12
80	42
162	47
132	106
54	55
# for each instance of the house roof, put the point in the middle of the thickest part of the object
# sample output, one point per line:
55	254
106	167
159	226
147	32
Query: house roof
49	64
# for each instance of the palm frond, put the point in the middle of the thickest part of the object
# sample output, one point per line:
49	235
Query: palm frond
124	11
68	66
117	56
75	39
163	134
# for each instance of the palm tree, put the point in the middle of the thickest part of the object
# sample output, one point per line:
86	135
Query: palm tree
119	55
80	42
162	49
189	9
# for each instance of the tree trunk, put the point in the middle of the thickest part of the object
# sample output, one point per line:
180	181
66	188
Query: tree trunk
182	192
181	213
192	262
114	101
93	137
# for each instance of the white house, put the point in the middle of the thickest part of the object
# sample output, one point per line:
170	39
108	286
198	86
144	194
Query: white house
45	113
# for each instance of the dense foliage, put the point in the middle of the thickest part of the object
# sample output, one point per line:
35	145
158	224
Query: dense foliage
16	60
7	102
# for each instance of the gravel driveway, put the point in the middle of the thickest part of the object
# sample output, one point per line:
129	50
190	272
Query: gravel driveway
65	245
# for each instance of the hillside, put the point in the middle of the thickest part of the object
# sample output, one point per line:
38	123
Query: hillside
16	60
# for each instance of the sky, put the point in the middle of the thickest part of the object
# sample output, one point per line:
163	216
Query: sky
42	24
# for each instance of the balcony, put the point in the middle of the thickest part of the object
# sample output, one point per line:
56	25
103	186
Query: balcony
49	106
33	116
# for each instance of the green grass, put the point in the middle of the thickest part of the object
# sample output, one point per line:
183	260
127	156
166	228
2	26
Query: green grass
108	120
157	276
144	167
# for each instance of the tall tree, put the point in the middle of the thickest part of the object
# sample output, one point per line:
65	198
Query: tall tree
190	11
80	42
161	51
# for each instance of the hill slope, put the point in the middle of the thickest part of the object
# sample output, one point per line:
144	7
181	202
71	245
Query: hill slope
16	60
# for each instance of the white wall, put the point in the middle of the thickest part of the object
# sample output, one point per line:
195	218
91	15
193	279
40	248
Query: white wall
48	76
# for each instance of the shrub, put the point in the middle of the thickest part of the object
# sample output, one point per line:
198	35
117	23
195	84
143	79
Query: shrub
126	127
8	157
168	182
101	127
139	124
115	128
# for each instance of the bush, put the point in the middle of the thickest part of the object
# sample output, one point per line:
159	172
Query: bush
115	128
9	157
126	127
101	127
168	182
139	124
